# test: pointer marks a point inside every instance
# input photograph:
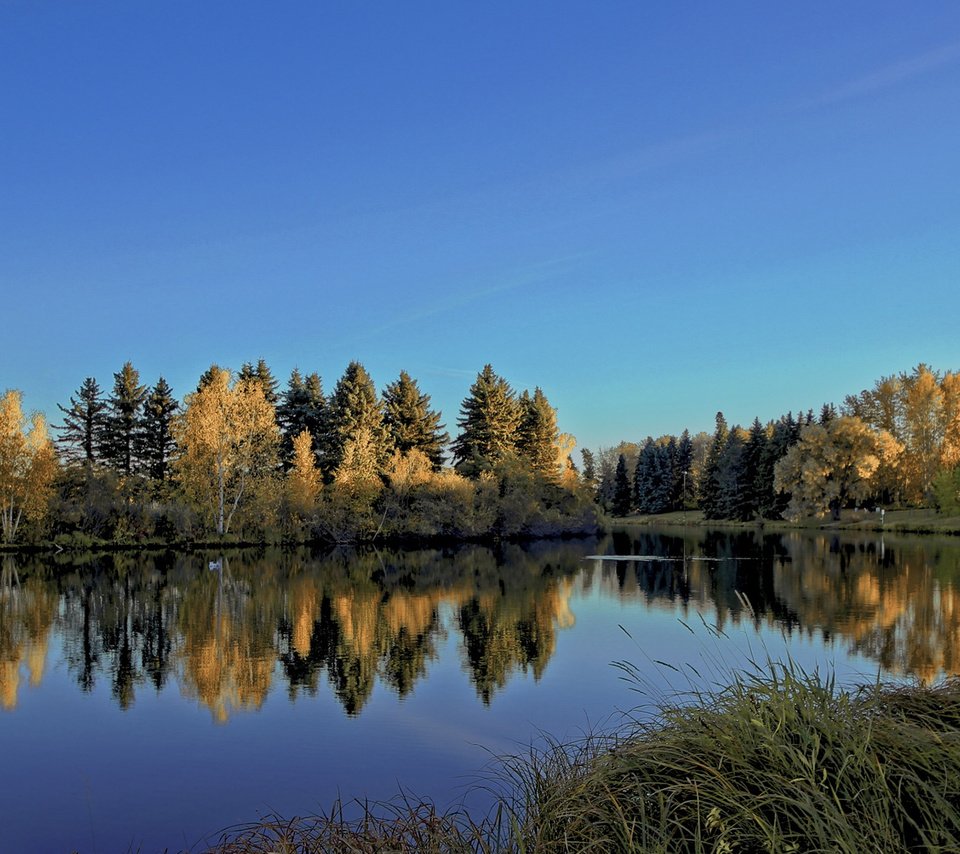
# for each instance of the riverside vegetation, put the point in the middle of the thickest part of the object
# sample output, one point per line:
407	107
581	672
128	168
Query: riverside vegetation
778	761
240	460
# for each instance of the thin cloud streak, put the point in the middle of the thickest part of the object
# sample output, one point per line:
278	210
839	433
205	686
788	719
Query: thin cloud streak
889	76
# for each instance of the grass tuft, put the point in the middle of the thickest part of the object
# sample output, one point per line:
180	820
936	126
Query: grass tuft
779	760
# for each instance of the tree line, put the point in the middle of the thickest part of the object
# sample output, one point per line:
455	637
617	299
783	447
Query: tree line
896	444
241	456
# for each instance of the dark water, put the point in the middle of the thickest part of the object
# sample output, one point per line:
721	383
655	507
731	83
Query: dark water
150	701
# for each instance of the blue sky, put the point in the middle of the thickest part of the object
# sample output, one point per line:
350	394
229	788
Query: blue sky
653	211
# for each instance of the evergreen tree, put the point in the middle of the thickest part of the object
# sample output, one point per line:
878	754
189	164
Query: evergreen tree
750	497
588	477
682	481
489	417
123	418
711	499
303	406
355	414
264	376
210	375
621	494
827	413
412	425
732	494
154	443
537	434
82	429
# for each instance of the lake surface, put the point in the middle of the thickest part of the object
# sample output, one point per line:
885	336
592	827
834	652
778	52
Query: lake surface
149	701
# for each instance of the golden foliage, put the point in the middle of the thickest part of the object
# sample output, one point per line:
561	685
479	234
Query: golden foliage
28	465
228	442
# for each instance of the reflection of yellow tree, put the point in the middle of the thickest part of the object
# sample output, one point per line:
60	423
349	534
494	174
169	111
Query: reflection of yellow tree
27	612
227	651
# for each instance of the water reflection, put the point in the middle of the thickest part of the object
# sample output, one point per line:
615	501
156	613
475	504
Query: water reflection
345	622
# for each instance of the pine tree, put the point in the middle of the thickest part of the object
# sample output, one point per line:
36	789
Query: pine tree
537	434
153	440
621	493
750	498
356	417
123	418
489	417
412	425
82	429
264	376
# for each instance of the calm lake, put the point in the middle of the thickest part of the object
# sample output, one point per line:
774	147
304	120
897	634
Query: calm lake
149	701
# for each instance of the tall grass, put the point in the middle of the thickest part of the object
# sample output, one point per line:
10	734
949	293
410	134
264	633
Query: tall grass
779	760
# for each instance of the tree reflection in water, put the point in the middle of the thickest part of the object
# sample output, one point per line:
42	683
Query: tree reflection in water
352	620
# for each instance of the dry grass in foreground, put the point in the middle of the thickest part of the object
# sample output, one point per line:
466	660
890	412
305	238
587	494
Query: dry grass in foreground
779	761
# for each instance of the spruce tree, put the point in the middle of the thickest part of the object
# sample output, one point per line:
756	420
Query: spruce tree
303	406
621	491
711	499
262	373
489	417
123	418
154	441
355	413
751	500
412	425
588	477
537	434
83	421
682	479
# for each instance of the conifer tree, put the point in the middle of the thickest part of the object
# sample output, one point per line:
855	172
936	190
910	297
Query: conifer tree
621	490
489	417
711	501
154	443
537	434
412	425
303	406
123	418
749	500
264	376
588	477
682	480
82	429
356	417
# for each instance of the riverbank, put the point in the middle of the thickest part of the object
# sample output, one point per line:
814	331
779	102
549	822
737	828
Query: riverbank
920	521
778	761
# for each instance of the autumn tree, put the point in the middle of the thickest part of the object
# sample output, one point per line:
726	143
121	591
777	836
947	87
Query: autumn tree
122	419
833	464
488	422
411	423
83	423
303	478
154	443
28	465
228	441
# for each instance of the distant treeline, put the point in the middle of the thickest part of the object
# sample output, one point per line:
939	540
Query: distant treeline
896	444
241	457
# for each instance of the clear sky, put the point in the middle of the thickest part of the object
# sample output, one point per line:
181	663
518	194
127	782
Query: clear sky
651	210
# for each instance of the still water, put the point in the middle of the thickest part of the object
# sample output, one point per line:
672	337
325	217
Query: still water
149	701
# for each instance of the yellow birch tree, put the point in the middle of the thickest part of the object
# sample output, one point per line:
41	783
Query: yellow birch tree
303	479
228	448
28	465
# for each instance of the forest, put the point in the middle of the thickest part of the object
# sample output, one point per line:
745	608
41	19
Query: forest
894	445
240	459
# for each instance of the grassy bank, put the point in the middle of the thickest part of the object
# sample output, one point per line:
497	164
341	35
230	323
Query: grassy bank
918	521
779	761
